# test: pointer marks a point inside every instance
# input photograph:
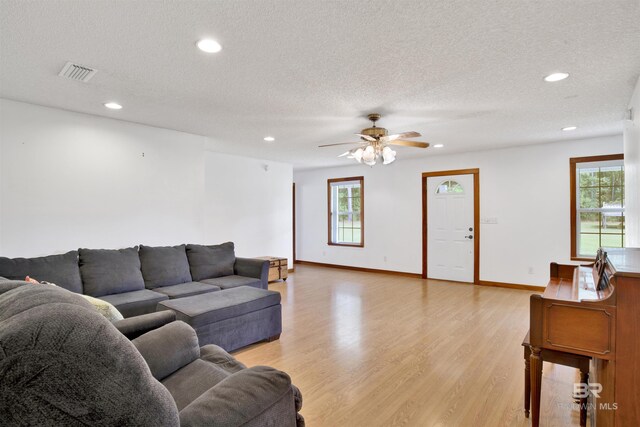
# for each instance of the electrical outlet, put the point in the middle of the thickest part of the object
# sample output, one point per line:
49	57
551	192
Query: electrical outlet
530	270
385	258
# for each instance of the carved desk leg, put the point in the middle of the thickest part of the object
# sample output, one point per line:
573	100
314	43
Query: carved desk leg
527	381
584	378
536	384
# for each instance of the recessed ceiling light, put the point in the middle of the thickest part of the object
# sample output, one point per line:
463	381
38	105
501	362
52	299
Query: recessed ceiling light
438	146
209	46
113	106
269	138
568	128
556	77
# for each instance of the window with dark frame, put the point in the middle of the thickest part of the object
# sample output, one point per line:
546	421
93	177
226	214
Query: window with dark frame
345	205
597	204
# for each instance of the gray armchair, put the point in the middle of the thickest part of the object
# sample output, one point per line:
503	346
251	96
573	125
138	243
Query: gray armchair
65	364
210	387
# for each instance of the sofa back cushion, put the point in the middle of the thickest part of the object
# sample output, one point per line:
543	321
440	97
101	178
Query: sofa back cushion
59	269
110	271
164	265
207	262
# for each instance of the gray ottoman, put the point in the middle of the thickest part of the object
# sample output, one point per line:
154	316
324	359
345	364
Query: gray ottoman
231	318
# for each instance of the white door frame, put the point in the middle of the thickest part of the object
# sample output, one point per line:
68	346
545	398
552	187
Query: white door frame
476	218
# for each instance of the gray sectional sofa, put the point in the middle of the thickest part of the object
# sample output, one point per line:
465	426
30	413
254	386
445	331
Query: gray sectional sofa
63	363
223	297
136	279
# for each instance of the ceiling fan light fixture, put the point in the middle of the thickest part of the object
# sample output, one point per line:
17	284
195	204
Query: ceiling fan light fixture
388	155
376	147
369	155
358	155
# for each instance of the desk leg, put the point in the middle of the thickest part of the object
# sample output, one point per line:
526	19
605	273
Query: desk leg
527	381
536	385
584	379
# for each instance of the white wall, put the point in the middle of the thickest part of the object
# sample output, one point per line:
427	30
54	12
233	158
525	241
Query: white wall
73	180
525	188
70	180
249	201
632	171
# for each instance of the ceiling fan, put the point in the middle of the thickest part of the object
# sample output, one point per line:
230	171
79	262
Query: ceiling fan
376	144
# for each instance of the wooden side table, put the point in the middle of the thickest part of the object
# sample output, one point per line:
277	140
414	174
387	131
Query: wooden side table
278	268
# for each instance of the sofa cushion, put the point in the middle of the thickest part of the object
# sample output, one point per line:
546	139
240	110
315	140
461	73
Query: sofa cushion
268	390
187	384
207	262
216	355
164	265
59	269
135	303
186	289
110	271
234	281
214	307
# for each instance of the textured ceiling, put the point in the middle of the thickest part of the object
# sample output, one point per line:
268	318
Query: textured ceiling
467	74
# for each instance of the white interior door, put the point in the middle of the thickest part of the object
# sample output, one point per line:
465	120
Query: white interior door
450	232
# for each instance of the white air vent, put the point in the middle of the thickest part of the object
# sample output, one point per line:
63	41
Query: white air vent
77	72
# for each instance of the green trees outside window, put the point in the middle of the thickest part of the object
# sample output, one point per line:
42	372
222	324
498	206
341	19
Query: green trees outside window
599	206
346	213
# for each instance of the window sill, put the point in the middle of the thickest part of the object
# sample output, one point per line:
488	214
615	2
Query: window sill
349	245
574	258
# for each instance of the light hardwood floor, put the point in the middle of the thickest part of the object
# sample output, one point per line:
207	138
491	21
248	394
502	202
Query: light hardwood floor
372	349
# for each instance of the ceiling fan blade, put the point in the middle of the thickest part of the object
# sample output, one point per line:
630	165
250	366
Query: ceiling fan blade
401	136
367	137
417	144
341	143
345	153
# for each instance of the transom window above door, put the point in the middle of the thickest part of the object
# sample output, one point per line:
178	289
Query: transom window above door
346	211
449	187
